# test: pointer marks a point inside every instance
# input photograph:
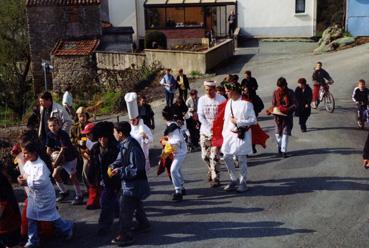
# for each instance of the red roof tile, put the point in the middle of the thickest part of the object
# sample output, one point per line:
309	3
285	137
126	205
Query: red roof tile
61	2
75	48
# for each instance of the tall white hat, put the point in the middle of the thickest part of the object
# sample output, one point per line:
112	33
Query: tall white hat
131	101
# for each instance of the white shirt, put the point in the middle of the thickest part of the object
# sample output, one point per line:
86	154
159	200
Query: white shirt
176	139
41	194
207	109
243	111
67	99
137	133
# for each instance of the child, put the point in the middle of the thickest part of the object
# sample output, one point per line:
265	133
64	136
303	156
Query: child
360	97
221	91
102	155
10	219
177	141
58	140
41	196
130	167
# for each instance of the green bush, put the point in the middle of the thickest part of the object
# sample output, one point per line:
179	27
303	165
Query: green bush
111	102
155	36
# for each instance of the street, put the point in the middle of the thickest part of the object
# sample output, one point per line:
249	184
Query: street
318	197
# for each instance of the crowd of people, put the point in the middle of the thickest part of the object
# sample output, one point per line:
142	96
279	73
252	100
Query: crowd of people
113	160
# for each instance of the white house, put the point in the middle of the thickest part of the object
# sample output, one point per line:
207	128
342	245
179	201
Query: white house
187	19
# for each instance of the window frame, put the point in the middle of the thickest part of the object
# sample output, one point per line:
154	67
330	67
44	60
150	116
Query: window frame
298	11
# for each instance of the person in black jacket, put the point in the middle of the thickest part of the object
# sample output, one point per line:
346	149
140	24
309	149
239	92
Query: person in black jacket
366	153
183	84
250	84
303	98
360	97
103	153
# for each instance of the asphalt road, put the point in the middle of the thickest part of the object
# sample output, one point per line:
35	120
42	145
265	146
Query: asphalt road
316	198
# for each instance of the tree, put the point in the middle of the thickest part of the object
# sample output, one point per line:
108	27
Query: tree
15	83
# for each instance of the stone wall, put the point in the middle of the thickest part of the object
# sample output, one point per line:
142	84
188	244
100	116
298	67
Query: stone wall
118	61
48	24
79	71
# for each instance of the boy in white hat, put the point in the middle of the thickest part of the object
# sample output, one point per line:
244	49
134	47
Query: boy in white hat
207	110
139	130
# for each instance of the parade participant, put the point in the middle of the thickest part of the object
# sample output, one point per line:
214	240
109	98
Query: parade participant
192	121
366	153
48	109
303	96
104	153
85	146
82	120
221	91
183	84
207	110
130	168
320	78
180	108
238	117
10	218
283	105
250	83
171	85
67	101
66	159
145	112
41	196
360	97
176	140
139	130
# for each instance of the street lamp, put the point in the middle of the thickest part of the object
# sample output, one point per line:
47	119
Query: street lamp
46	66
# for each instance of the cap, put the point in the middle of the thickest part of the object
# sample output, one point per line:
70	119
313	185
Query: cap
88	128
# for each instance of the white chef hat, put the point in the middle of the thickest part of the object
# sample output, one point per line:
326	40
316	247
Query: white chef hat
131	101
210	83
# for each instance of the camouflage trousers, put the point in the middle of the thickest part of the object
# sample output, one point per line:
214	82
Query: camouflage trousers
210	155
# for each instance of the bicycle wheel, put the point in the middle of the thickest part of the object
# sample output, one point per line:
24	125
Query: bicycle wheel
329	102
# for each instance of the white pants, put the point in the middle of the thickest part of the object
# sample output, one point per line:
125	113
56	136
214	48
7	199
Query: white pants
242	161
282	142
176	173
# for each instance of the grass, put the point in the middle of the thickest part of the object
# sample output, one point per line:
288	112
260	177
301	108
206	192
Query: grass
110	102
7	117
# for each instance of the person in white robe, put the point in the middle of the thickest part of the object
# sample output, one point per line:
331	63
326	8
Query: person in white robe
41	196
139	130
237	140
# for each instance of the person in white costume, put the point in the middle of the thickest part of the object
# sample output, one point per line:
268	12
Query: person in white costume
207	109
139	130
237	140
41	196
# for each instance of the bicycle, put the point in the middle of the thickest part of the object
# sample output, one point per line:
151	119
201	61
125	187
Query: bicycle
326	97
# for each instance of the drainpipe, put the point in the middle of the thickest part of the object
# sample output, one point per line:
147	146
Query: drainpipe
137	24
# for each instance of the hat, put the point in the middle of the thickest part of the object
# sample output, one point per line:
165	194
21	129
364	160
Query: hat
276	111
131	101
88	128
210	83
81	110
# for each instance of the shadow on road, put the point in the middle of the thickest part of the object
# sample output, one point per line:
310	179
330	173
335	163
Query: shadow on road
319	151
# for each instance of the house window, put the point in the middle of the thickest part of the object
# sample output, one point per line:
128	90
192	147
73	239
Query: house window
194	17
155	18
300	6
175	17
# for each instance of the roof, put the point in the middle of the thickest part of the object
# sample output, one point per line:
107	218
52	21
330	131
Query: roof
31	3
118	30
75	47
184	2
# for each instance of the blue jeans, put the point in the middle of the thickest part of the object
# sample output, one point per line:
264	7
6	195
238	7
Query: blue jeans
169	97
61	225
109	207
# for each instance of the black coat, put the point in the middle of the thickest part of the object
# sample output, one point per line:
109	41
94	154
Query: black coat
366	149
99	165
303	98
185	81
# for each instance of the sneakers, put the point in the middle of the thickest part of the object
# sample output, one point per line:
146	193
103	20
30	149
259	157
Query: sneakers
177	197
123	240
242	188
78	200
62	196
231	186
30	245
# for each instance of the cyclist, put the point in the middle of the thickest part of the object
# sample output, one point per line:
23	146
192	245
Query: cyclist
360	97
320	79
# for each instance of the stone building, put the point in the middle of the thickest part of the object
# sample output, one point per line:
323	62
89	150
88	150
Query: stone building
74	62
50	21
